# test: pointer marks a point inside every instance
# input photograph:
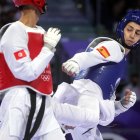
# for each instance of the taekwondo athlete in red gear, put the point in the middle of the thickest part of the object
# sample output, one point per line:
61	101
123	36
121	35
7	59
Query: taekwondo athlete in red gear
25	53
98	72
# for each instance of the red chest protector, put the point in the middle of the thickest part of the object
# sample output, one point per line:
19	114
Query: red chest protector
43	84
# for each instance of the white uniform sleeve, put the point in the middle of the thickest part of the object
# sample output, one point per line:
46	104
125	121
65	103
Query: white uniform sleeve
119	108
16	39
112	52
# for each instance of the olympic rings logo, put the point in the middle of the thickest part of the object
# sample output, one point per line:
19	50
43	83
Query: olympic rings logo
45	77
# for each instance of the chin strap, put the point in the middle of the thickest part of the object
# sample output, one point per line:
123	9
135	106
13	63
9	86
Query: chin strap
126	46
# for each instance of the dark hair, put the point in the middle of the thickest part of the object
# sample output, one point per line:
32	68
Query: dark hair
27	7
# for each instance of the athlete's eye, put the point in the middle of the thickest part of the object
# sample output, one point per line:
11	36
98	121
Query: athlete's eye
129	29
138	33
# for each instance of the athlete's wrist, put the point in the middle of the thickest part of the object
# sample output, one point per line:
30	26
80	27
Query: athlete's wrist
52	49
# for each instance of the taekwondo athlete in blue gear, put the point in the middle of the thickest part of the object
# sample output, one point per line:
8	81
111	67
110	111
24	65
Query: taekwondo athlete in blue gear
102	54
108	75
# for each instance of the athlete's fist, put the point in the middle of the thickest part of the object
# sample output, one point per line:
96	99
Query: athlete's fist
71	67
126	102
51	38
129	99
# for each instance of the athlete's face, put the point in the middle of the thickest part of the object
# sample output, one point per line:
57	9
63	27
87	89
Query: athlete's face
131	33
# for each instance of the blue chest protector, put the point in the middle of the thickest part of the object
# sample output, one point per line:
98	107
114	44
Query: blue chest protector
106	75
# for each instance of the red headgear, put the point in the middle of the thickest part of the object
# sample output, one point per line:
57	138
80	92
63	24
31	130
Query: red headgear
39	4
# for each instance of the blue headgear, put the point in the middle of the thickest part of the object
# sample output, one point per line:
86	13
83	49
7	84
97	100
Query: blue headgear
132	15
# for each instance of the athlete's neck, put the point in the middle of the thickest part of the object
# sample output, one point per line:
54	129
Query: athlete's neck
29	18
127	51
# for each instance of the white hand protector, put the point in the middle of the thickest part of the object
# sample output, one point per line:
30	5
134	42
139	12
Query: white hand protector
71	67
129	99
126	102
51	38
